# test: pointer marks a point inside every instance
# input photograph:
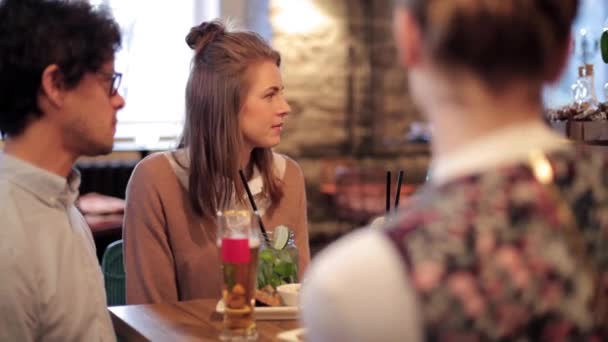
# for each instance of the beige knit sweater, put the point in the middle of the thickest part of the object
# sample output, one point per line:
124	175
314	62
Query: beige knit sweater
170	252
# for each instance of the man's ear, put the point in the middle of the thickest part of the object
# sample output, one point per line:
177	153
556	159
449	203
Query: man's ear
408	37
52	86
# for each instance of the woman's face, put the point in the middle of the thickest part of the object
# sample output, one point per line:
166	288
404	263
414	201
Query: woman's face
264	109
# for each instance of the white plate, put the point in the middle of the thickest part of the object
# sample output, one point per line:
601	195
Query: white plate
268	313
295	335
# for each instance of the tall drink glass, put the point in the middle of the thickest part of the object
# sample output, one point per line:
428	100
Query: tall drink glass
239	244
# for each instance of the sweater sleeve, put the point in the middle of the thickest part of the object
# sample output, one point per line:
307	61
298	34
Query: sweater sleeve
301	225
357	289
148	258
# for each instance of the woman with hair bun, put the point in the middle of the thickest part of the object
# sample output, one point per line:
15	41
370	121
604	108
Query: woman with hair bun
235	112
508	240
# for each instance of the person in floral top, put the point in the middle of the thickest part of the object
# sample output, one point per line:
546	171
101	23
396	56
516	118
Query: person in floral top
508	241
504	255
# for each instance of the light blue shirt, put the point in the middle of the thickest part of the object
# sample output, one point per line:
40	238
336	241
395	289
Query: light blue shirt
51	286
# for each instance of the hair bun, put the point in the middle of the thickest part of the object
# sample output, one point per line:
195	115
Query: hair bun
201	35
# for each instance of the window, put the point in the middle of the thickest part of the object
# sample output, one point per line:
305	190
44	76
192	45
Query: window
155	62
591	20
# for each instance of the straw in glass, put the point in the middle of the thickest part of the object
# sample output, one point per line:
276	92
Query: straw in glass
398	191
254	207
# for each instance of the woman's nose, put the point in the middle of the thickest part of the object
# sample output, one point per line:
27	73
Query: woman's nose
285	108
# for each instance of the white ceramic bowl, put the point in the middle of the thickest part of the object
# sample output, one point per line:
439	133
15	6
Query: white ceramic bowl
290	293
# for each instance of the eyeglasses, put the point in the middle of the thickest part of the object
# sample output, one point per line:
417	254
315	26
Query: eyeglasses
114	80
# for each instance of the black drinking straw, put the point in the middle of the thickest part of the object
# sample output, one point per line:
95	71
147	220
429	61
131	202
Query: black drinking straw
255	207
388	191
398	192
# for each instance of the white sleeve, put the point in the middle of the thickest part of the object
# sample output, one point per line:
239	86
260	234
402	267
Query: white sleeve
18	320
357	290
18	285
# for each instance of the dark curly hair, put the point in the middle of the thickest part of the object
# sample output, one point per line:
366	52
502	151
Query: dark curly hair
37	33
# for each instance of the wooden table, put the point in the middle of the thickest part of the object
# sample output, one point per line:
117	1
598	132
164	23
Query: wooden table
184	321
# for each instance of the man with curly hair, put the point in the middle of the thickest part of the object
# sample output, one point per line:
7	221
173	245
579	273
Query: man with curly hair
58	101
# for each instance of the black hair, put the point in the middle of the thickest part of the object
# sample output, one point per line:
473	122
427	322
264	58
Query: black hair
37	33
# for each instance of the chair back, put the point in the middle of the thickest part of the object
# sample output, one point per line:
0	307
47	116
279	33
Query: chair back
114	274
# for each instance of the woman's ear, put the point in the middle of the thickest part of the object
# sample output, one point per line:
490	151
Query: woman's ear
52	85
408	37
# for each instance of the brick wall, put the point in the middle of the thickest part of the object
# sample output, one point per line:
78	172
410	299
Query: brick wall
348	93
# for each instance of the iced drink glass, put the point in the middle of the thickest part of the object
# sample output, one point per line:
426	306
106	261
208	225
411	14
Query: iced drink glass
239	245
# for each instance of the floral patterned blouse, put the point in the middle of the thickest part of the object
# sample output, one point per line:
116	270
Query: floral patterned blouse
491	257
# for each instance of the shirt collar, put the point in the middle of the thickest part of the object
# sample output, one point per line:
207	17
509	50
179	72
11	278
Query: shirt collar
256	183
50	188
511	144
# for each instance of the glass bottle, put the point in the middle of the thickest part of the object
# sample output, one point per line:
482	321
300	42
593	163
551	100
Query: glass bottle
583	89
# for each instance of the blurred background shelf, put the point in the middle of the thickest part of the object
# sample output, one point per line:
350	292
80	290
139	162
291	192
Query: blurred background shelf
587	132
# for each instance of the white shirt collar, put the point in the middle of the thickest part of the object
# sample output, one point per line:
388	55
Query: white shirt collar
508	145
256	183
48	187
